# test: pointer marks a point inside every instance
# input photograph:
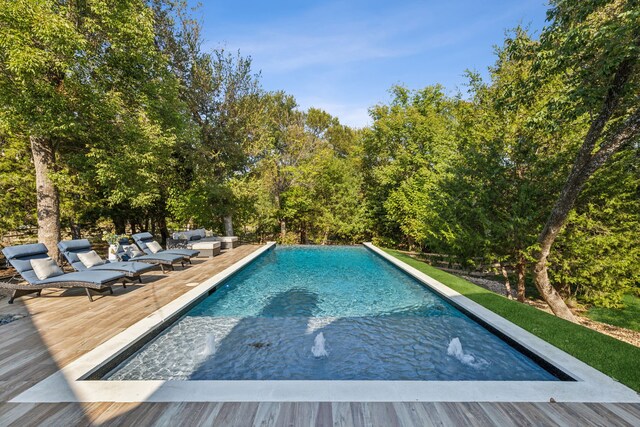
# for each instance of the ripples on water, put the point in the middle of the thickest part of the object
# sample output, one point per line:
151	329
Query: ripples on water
378	324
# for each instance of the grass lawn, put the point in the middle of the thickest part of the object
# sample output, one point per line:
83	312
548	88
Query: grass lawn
615	358
628	317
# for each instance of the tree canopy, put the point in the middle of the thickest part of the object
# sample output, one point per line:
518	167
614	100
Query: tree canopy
112	113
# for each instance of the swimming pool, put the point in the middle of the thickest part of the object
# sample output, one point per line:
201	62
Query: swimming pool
326	313
82	380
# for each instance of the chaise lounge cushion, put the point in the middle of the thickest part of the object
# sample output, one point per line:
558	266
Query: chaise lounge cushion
45	268
90	259
154	247
94	277
20	258
75	250
130	267
144	239
189	234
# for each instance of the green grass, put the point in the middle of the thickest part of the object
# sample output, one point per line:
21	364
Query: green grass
615	358
627	317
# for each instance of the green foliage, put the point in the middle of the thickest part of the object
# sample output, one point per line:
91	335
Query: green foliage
597	254
482	179
17	198
147	127
89	77
405	155
628	316
307	166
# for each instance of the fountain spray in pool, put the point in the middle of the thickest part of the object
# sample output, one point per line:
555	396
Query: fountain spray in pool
209	346
455	350
318	349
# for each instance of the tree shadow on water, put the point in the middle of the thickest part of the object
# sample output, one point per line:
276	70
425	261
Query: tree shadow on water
254	342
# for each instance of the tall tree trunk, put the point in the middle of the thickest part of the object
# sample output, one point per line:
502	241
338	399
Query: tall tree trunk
47	196
283	229
119	224
164	230
586	163
507	284
75	230
325	236
521	267
228	225
303	234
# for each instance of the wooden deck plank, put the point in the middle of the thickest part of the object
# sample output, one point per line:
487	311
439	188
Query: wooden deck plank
297	414
347	414
411	415
267	414
612	412
237	414
534	414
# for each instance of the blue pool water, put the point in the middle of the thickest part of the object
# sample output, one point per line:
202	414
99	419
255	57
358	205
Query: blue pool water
377	323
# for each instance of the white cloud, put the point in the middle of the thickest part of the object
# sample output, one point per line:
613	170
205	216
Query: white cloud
313	54
334	35
353	115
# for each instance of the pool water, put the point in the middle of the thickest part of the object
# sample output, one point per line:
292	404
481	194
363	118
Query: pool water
268	322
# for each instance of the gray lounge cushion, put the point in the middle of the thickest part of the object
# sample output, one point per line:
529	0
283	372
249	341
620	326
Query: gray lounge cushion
143	240
20	257
94	277
165	257
131	267
24	251
72	248
45	268
154	247
189	253
90	259
136	253
75	250
189	234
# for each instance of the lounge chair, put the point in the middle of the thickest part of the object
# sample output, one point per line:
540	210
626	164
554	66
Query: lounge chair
142	240
72	248
20	258
161	259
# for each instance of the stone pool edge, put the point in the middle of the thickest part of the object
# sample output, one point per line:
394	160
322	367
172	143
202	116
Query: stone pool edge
67	385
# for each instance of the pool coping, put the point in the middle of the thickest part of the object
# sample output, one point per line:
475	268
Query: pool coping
68	385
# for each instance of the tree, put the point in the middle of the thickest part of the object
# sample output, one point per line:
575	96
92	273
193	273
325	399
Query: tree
17	182
405	153
510	163
596	254
87	86
595	47
38	64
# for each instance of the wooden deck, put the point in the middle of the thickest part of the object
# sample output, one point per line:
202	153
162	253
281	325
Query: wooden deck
61	325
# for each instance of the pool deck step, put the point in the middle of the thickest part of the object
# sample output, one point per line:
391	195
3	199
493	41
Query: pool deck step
62	325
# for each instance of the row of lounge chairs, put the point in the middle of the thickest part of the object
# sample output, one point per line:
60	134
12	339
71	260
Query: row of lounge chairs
98	278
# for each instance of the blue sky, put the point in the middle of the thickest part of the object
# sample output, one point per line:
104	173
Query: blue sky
344	56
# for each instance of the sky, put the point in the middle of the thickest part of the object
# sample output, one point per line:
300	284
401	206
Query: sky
344	56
